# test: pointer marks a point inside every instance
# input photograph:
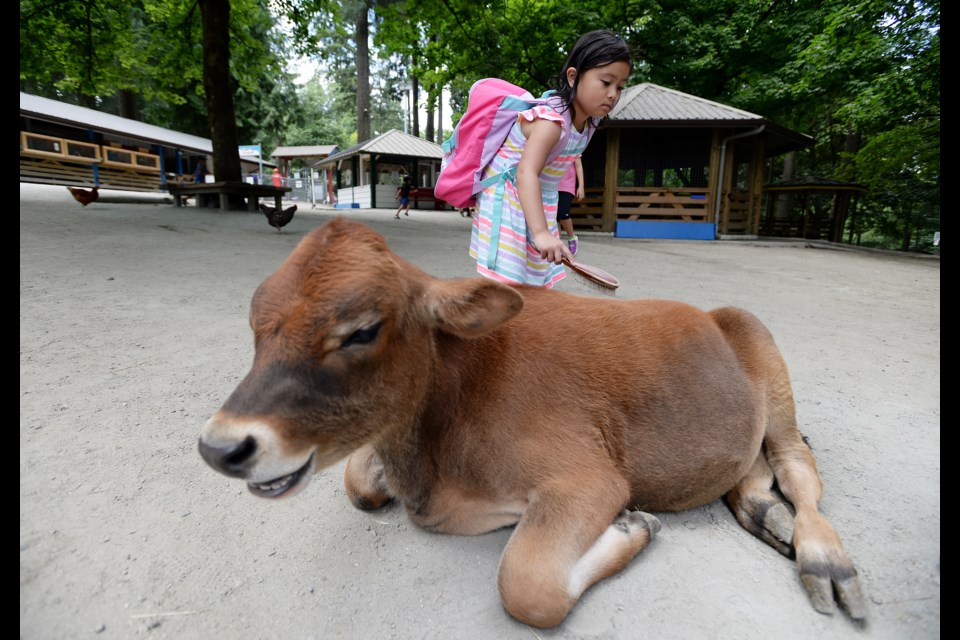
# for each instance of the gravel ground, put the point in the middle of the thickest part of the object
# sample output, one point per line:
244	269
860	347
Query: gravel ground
133	330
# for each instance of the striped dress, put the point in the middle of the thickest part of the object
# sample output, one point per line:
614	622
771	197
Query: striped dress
499	240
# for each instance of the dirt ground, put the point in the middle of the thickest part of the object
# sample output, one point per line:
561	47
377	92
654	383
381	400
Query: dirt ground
133	330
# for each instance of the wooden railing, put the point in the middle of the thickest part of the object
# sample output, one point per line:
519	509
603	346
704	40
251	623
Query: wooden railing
738	213
642	203
51	160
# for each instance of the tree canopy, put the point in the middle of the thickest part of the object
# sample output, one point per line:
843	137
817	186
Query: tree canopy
862	77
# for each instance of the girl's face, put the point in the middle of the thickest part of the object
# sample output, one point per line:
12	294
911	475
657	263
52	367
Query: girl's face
599	88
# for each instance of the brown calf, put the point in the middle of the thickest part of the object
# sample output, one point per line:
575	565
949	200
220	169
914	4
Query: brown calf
444	393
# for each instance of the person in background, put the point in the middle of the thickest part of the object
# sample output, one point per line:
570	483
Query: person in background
403	194
571	185
200	172
277	178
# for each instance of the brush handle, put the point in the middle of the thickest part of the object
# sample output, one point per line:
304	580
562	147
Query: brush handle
594	274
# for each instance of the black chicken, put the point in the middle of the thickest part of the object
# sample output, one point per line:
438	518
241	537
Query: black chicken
278	217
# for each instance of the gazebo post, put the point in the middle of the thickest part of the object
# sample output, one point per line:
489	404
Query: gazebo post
611	181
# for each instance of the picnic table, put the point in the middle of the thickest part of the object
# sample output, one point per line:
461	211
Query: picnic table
250	192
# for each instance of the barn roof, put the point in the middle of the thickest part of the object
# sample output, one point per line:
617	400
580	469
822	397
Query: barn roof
62	113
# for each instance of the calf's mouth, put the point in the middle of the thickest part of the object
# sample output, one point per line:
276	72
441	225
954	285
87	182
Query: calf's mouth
284	484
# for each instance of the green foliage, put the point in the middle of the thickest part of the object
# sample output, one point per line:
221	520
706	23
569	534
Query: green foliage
457	42
86	51
331	119
862	77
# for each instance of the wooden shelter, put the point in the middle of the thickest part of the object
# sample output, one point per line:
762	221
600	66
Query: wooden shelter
318	187
808	207
62	143
667	164
368	174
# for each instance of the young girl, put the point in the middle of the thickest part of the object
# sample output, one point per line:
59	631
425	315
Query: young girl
514	237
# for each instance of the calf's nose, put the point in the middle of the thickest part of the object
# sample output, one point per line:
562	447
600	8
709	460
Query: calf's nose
234	459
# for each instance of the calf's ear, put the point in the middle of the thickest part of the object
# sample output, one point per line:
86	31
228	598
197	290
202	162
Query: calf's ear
471	307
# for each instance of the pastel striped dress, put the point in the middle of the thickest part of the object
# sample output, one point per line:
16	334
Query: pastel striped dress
499	240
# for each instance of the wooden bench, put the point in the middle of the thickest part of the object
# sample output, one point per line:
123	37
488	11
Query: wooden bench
425	194
251	192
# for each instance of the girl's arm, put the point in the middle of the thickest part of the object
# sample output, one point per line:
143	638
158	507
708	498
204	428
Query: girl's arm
581	191
542	136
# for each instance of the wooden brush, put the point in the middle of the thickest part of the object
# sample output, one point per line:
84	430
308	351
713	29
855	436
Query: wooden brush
593	275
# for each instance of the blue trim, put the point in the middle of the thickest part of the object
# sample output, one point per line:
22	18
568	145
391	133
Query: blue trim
664	229
347	205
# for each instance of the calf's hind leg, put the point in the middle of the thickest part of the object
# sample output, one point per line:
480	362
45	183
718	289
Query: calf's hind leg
823	564
761	511
568	539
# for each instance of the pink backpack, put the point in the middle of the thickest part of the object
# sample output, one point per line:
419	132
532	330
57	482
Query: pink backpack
492	108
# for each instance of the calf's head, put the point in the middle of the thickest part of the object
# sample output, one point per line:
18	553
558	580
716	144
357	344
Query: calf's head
344	353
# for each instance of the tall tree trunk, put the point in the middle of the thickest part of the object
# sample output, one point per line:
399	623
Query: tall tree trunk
362	35
414	96
440	114
222	119
430	99
415	105
783	199
127	104
851	145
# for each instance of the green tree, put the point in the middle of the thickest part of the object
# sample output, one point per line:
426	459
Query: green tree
856	76
100	53
331	118
339	34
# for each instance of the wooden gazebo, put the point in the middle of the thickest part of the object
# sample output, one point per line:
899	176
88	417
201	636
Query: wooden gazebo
809	207
368	174
667	164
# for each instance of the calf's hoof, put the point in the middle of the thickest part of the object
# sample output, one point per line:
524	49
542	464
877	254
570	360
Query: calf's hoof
633	521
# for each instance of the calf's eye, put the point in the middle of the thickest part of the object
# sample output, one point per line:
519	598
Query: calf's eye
362	336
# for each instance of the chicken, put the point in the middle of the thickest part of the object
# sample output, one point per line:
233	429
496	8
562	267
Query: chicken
278	217
83	196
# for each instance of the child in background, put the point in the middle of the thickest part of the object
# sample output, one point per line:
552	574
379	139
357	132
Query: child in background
570	185
200	171
514	237
403	193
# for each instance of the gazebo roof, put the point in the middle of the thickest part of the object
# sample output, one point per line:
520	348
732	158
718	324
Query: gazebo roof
391	143
312	151
650	105
813	183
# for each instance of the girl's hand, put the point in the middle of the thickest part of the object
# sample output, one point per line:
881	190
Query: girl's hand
580	192
551	248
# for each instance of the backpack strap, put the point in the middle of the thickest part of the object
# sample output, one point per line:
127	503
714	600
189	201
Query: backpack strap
496	216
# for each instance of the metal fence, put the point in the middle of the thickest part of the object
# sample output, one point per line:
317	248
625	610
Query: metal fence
307	187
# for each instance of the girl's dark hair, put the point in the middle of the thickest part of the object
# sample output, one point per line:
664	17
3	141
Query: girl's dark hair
594	49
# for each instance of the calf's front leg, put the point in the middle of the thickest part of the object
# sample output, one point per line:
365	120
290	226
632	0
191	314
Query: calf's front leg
568	539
